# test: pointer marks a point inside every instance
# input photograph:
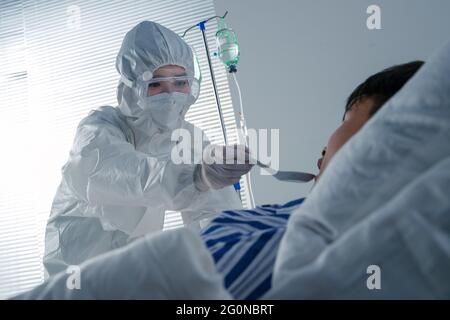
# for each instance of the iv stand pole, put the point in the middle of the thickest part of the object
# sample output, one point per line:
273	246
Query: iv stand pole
213	78
201	26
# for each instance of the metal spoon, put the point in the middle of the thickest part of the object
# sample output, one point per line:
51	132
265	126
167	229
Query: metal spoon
290	176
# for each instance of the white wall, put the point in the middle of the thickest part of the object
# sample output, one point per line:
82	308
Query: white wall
301	59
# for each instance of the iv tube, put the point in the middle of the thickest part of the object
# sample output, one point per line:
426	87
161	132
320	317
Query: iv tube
243	135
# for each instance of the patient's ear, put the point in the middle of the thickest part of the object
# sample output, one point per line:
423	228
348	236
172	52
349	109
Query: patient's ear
362	108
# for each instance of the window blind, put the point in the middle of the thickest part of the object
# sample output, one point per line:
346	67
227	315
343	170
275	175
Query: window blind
60	58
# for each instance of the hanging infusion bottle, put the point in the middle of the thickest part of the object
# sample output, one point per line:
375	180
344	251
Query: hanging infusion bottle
228	47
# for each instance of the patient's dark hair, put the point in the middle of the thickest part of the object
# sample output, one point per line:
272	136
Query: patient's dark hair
383	85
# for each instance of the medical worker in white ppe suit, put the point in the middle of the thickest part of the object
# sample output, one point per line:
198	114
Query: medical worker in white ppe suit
120	179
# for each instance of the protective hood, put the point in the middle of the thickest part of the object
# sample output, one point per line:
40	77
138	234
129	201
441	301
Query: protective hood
145	48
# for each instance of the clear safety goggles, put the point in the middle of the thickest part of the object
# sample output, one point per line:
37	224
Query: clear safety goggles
186	83
182	84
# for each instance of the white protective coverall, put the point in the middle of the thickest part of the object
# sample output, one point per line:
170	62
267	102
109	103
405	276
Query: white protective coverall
119	179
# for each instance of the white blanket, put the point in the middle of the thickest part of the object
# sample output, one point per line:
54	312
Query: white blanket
166	265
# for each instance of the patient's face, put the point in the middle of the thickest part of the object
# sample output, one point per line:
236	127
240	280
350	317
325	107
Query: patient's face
354	119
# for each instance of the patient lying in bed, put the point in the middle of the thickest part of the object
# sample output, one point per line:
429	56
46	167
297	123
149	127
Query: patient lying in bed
244	243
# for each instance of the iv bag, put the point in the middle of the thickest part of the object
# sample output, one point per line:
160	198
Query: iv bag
227	44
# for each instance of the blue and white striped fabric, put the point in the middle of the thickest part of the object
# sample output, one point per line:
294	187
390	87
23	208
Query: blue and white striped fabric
244	244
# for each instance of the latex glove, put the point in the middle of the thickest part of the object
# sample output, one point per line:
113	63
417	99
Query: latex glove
222	168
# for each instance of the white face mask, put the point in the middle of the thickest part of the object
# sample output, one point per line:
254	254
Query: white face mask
167	109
